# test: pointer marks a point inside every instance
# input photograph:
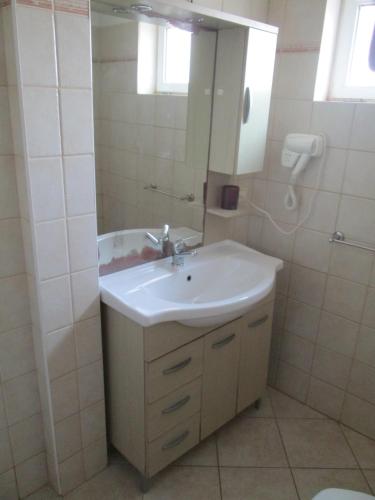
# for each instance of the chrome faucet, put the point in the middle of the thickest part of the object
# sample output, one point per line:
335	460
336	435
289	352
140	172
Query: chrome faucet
163	241
179	251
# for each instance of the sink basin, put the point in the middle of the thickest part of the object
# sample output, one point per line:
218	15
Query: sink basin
217	285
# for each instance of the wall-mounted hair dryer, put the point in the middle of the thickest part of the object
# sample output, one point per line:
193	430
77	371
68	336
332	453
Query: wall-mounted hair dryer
298	149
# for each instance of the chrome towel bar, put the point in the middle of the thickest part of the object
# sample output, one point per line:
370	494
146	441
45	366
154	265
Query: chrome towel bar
187	197
339	237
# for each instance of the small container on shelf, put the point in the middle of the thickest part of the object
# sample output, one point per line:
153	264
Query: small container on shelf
229	197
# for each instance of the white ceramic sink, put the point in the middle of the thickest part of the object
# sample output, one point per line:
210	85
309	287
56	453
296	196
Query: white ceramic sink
217	285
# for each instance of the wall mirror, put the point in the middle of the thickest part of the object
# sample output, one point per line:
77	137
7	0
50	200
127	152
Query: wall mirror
154	86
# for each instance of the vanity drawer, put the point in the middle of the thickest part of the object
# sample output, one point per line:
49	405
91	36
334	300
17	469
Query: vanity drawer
173	370
174	408
173	444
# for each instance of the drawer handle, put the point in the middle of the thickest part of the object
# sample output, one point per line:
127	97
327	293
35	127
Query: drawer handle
176	441
177	367
176	406
258	322
222	343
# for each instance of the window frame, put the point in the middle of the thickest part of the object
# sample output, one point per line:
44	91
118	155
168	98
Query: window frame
346	33
161	85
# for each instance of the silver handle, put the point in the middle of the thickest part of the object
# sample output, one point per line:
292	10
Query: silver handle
258	322
225	341
246	105
177	367
176	406
176	441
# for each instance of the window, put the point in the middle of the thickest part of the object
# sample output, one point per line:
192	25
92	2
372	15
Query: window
173	65
354	67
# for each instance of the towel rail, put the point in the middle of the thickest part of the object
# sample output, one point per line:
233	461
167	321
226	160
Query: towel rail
339	237
187	197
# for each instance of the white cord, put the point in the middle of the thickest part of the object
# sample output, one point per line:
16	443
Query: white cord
292	200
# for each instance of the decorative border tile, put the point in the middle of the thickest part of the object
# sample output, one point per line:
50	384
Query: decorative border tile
4	3
80	7
43	4
313	47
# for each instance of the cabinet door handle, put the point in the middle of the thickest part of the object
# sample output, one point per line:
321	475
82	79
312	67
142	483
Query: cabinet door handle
222	343
177	367
176	406
258	322
176	441
246	105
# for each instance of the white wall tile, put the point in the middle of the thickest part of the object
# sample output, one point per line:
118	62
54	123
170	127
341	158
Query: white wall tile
326	398
351	263
64	392
337	334
6	461
88	340
85	291
77	121
31	474
303	22
14	303
357	219
60	348
16	353
95	457
307	285
324	210
11	248
295	76
8	188
331	367
41	113
365	350
56	304
362	137
293	381
290	116
27	438
73	49
344	298
52	249
312	249
334	119
301	319
21	396
6	145
93	423
83	249
35	33
47	188
91	387
360	174
79	184
72	473
369	311
297	351
68	437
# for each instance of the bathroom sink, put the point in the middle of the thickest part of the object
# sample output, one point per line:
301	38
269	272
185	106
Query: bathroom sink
217	285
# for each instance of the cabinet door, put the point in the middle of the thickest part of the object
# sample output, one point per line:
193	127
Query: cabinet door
255	346
257	86
220	376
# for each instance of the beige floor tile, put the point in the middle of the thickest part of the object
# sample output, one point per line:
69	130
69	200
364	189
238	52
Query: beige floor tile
370	476
118	481
46	493
363	448
310	481
247	442
185	483
316	443
287	407
203	454
264	411
257	484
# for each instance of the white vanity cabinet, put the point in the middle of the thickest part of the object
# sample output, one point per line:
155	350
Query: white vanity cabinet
169	386
242	94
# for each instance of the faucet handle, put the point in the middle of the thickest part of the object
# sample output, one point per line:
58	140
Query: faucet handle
179	246
165	233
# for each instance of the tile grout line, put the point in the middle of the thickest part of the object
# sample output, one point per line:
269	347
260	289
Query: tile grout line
284	448
218	466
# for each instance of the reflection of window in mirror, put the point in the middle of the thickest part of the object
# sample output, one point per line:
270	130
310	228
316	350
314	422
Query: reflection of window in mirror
173	60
